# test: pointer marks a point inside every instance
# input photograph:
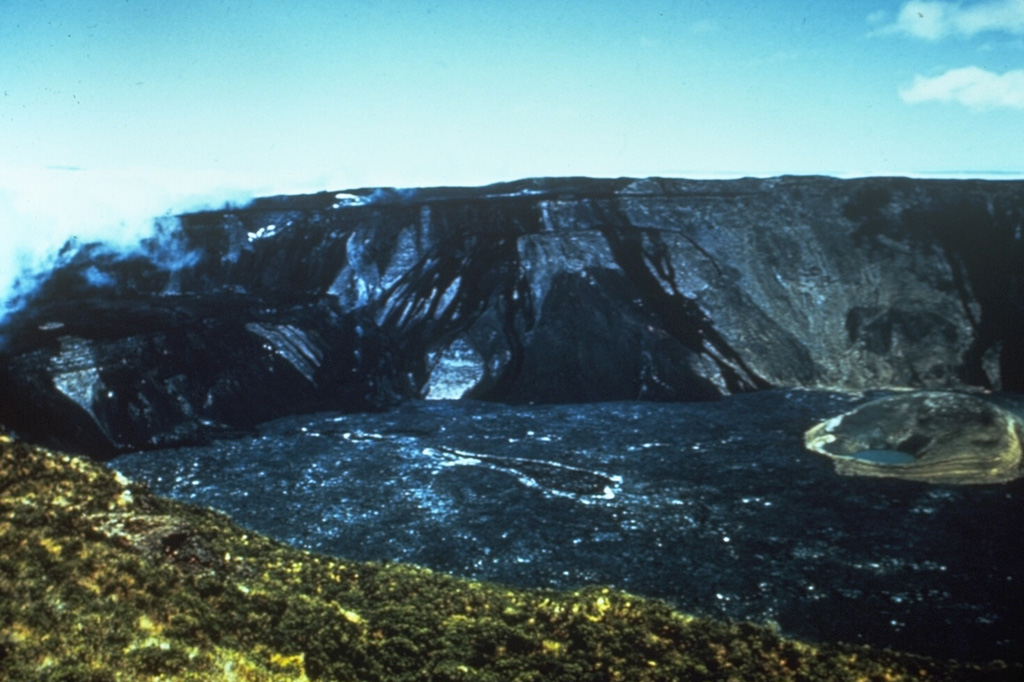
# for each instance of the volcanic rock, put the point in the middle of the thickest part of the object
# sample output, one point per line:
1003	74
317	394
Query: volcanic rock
101	580
937	437
548	290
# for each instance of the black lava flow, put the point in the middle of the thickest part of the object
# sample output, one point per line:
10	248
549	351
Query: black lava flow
715	507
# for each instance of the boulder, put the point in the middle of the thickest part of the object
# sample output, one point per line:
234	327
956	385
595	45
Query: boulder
931	436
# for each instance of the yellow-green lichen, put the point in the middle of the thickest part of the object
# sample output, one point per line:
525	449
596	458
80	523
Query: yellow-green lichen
102	581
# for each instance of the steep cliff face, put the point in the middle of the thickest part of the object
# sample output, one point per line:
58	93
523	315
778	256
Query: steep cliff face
544	290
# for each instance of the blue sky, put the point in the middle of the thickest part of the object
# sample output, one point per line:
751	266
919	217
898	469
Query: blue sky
112	111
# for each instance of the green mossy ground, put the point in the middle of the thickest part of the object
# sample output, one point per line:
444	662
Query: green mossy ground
102	581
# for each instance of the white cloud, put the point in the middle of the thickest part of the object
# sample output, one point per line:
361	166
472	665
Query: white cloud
935	19
971	86
43	208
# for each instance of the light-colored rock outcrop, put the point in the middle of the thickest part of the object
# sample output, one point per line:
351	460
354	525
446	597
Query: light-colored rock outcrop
932	436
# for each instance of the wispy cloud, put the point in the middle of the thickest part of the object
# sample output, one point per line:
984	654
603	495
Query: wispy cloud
936	19
971	86
41	209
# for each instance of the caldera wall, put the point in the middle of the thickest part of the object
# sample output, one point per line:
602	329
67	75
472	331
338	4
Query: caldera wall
550	290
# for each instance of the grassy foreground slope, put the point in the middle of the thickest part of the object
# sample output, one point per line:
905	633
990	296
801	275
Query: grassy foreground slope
101	580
